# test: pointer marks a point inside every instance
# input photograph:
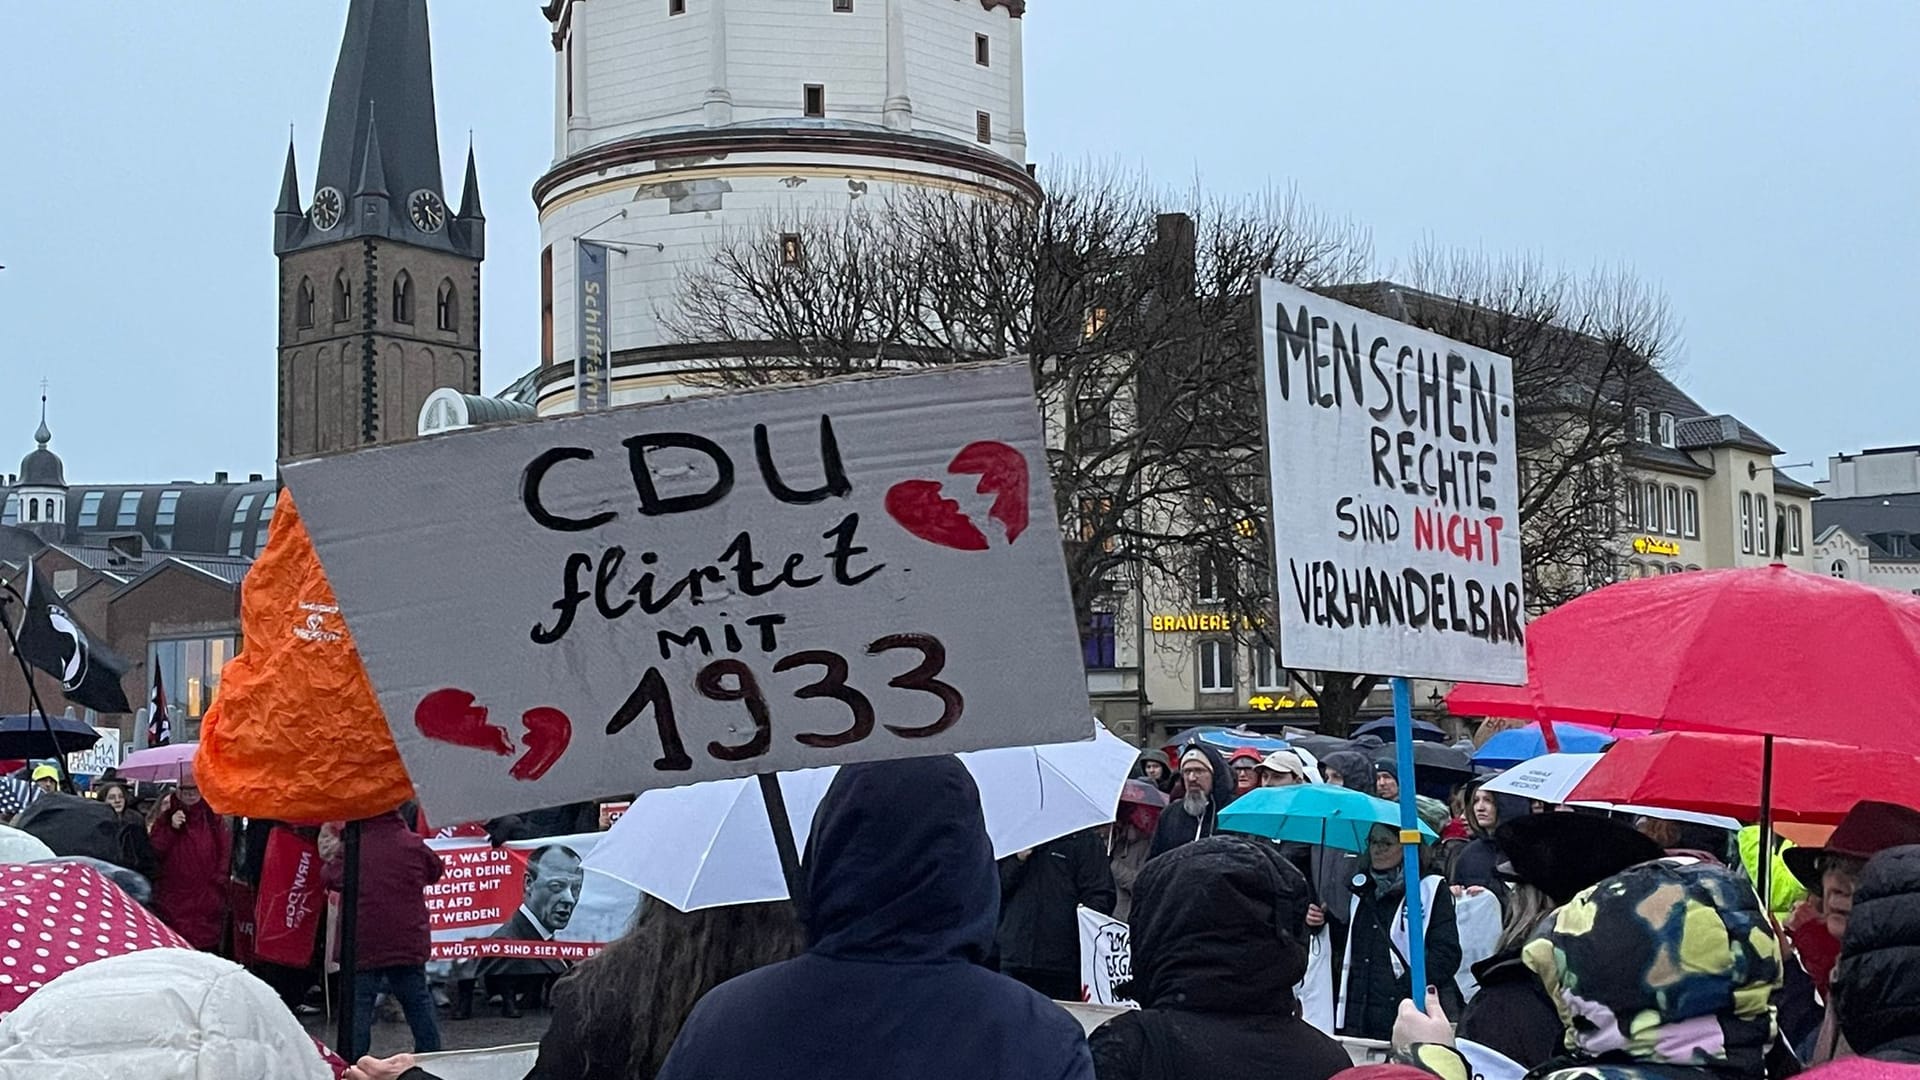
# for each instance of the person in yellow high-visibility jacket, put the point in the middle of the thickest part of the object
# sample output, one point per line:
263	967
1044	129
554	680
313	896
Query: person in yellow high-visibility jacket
1786	889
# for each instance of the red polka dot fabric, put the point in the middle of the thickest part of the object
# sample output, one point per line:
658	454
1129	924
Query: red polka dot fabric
55	917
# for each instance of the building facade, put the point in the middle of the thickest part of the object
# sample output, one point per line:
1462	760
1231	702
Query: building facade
682	123
379	277
1867	521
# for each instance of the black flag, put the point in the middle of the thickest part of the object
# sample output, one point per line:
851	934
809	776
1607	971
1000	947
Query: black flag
51	639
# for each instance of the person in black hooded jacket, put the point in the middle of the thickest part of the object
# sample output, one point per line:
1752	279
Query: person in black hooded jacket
1219	941
1876	984
1209	786
900	907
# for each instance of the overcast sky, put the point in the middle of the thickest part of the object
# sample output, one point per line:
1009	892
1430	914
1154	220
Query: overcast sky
1758	161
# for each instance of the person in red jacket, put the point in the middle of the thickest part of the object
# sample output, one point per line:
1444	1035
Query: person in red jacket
192	847
392	940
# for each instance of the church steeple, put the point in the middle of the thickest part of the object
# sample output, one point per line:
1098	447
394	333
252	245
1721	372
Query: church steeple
385	67
379	279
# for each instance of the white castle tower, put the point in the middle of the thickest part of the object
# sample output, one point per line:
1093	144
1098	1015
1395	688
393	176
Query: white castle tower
680	122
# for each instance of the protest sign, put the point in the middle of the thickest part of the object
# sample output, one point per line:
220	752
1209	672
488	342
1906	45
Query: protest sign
1395	482
729	584
1106	958
480	908
99	757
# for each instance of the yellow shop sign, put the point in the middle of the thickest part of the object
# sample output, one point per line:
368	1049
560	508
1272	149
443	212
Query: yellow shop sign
1196	622
1654	545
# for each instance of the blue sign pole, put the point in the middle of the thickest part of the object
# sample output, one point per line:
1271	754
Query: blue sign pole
1410	839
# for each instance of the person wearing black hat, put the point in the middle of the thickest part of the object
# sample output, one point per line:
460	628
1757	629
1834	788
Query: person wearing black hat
1831	872
1550	858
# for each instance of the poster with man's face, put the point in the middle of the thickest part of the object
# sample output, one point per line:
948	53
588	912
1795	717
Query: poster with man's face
527	900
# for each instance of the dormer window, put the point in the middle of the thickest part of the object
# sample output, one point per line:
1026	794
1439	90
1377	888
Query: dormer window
1667	430
1642	426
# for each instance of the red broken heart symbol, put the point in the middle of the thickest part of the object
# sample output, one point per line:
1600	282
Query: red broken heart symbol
922	510
452	716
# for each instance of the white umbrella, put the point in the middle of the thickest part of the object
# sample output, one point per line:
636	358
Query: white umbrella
1549	778
1662	813
706	845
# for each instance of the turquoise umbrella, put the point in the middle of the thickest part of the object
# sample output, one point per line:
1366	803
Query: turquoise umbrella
1336	817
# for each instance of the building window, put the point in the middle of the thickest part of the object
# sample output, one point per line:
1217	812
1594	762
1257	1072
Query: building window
90	509
1690	514
1675	568
1651	518
1642	426
303	305
1673	511
982	50
1746	522
1216	578
129	512
190	670
1097	644
792	253
983	127
676	7
1268	675
813	101
1795	542
1633	509
843	7
546	307
1095	322
1760	538
403	299
1093	423
239	523
1667	430
1216	667
1691	569
163	517
445	313
1838	569
342	297
33	514
10	514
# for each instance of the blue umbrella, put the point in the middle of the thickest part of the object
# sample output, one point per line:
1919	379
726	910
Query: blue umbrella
1515	745
1422	730
1336	817
1229	740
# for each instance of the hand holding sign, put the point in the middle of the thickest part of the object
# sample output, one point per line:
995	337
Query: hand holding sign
711	587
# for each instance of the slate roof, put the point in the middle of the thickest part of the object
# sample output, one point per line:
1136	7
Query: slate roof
1888	524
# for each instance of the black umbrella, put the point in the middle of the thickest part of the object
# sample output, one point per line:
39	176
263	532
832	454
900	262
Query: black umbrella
26	736
71	825
1383	728
1434	763
1319	745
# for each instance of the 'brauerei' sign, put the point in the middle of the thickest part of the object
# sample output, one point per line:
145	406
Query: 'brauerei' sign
713	587
1395	495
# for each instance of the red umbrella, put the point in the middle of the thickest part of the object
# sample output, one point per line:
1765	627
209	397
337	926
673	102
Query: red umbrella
55	917
1767	651
1711	773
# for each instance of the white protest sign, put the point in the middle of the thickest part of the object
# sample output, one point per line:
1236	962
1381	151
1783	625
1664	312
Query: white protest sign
713	587
1106	958
1395	495
98	758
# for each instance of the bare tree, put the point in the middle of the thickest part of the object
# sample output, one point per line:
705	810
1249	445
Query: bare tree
1137	324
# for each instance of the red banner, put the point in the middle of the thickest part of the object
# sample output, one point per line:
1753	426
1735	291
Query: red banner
292	897
480	908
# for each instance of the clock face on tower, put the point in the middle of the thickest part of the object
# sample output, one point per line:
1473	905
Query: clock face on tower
427	211
325	213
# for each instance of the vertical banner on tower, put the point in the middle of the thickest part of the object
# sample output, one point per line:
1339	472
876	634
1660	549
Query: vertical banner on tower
1395	473
593	368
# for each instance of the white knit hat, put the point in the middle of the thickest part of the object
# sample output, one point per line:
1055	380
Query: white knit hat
1194	753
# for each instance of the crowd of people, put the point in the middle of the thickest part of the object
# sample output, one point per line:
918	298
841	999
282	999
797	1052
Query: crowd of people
1627	949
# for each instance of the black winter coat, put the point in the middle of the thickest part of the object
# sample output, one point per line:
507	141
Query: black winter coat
1512	1012
1177	826
1876	984
1218	945
1038	894
1373	991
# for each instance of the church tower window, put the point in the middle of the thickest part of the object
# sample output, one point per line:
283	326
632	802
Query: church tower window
403	298
303	305
342	297
445	317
